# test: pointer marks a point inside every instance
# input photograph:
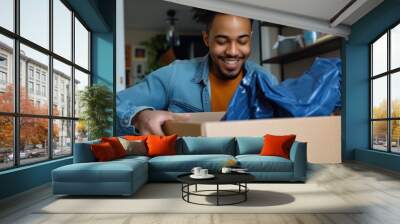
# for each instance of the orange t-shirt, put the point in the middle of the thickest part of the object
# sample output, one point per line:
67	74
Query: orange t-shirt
222	91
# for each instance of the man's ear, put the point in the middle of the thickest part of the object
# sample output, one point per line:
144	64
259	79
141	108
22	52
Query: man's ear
205	37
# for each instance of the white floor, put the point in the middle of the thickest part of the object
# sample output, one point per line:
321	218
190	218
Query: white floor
378	189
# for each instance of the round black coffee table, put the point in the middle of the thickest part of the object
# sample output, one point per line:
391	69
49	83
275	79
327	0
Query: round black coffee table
238	179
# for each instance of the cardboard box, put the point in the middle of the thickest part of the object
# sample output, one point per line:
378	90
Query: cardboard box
322	134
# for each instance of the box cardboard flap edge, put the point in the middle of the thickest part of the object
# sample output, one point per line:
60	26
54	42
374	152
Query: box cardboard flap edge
322	134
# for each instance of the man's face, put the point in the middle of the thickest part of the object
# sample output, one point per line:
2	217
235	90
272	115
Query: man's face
229	43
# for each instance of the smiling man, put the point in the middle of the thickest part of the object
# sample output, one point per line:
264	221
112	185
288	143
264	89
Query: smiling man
197	85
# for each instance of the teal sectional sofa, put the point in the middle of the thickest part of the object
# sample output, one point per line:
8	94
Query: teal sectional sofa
125	176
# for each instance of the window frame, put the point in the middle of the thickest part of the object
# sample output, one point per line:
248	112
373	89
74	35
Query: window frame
3	69
16	115
388	74
3	74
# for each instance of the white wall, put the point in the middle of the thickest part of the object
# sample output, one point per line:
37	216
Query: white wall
120	46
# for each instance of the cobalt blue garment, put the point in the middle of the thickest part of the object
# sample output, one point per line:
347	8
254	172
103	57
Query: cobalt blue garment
315	93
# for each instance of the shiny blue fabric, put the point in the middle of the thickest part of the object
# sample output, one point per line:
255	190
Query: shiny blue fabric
315	93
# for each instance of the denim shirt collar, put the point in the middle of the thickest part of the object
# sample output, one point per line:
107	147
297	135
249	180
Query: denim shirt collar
203	70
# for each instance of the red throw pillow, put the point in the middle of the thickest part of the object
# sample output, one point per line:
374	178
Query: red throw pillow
116	145
135	137
103	151
277	145
161	145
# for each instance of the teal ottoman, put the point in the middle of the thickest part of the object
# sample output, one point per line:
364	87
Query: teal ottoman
118	177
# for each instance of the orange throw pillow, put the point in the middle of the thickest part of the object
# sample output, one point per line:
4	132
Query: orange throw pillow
277	145
103	151
161	145
116	145
135	137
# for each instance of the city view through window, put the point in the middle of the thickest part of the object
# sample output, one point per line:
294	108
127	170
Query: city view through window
39	113
385	82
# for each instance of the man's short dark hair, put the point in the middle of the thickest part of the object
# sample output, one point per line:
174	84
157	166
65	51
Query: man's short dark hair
206	17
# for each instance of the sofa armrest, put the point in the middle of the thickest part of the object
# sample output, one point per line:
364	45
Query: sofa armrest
83	152
298	155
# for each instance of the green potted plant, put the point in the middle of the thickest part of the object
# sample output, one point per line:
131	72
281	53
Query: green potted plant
156	46
96	102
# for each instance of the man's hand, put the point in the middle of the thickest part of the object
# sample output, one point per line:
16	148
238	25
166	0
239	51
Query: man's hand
150	122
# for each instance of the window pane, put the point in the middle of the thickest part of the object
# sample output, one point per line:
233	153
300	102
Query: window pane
6	142
395	47
81	81
62	89
62	138
379	135
62	29
81	131
379	97
34	72
35	21
7	14
33	140
395	94
6	74
395	136
81	45
379	55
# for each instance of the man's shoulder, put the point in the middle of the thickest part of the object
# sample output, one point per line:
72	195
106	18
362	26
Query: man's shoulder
254	66
177	67
188	67
191	63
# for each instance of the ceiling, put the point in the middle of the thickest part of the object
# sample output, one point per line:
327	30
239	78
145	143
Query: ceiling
320	9
314	15
317	15
150	15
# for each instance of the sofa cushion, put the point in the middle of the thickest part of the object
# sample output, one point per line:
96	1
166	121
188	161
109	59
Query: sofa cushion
249	145
103	152
161	145
116	145
257	163
111	171
185	163
118	177
275	145
206	145
134	147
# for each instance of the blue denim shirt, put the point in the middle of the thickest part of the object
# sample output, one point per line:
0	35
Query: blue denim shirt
181	86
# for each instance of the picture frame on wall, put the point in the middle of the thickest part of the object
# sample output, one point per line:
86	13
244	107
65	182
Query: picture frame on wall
140	53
